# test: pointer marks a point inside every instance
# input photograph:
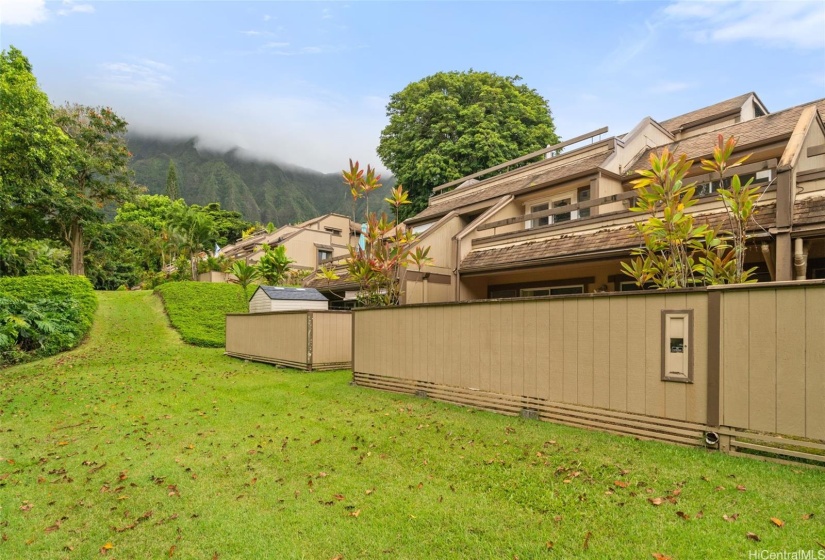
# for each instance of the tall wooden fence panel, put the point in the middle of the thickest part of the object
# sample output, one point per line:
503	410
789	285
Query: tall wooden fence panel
757	356
308	340
773	359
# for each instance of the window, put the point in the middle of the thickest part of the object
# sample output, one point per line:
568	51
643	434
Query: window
555	291
759	177
631	286
539	221
582	195
324	255
333	231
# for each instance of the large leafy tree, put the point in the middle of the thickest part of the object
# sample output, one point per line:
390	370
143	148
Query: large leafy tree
34	151
452	124
172	190
99	173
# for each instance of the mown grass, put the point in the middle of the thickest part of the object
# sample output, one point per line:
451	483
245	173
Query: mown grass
198	309
155	448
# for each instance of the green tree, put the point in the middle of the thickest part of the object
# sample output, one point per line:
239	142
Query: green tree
34	151
198	232
453	124
274	264
172	190
99	173
229	225
245	274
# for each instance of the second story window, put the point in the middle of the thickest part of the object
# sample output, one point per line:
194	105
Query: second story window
581	195
324	255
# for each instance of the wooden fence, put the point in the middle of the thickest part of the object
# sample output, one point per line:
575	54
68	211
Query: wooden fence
753	357
308	340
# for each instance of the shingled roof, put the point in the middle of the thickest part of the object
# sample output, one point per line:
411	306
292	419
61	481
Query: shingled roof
720	109
516	185
581	245
299	294
752	132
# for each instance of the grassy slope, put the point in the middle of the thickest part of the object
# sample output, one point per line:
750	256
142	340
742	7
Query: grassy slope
249	461
198	309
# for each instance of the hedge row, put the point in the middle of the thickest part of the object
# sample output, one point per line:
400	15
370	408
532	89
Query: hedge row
43	315
198	309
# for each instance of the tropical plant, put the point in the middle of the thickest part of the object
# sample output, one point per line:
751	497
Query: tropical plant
675	251
274	264
245	274
740	202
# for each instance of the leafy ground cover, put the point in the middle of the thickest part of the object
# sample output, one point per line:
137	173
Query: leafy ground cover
138	446
198	309
43	315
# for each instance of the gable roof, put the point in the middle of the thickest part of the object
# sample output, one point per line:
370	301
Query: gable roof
705	114
751	132
293	294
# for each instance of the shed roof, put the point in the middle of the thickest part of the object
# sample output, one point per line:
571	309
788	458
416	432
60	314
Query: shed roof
709	112
301	294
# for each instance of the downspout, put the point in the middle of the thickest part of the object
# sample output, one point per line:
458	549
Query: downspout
766	254
800	259
456	255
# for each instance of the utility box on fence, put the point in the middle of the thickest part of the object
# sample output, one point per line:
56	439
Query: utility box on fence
308	339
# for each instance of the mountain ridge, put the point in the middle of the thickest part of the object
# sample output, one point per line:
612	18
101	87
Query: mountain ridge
262	191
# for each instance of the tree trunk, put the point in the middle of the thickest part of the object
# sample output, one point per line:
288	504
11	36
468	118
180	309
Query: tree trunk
75	240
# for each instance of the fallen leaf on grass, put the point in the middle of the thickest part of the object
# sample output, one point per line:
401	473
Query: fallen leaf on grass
656	501
730	518
660	556
587	540
172	550
370	491
778	522
52	528
807	516
355	513
338	557
683	515
754	537
317	441
741	488
676	492
700	515
718	488
549	545
124	528
106	548
27	505
339	497
620	483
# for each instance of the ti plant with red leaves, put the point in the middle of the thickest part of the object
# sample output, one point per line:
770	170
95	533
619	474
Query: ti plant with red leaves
675	251
387	245
740	202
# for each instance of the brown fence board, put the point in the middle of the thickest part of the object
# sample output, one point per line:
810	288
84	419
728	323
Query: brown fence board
790	364
556	344
601	355
531	311
618	353
654	388
516	374
570	349
762	351
584	314
636	334
735	359
815	363
543	356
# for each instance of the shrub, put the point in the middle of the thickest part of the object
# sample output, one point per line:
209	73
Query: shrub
198	309
43	315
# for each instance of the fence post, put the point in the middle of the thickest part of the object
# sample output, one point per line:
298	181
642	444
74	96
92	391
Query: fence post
714	357
309	340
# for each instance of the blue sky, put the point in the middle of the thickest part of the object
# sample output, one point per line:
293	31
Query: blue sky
307	83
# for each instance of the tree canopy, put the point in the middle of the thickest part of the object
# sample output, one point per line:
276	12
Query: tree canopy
35	151
452	124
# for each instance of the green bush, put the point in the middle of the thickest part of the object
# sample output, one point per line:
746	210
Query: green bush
198	309
43	315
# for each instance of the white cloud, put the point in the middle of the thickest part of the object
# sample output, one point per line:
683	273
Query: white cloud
797	23
326	13
142	76
23	12
72	8
267	17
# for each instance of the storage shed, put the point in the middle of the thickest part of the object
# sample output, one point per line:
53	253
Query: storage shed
276	298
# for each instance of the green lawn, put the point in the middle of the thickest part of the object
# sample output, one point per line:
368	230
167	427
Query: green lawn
141	443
